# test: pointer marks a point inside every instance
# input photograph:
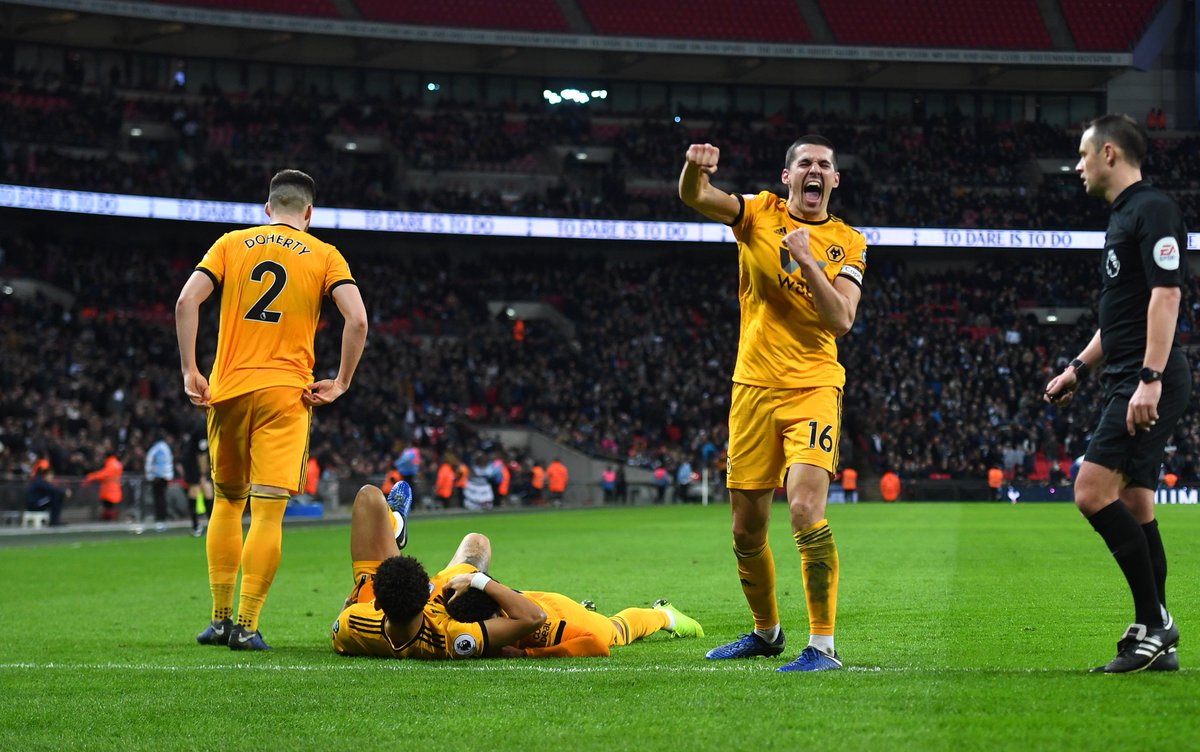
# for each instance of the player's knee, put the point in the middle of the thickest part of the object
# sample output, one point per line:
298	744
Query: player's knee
476	550
748	539
476	542
1088	502
369	491
231	491
369	495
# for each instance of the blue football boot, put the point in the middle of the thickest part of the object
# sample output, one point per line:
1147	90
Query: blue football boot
811	659
399	500
241	638
216	633
747	646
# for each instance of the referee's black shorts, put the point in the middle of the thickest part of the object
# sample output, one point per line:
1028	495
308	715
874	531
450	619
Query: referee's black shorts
1139	457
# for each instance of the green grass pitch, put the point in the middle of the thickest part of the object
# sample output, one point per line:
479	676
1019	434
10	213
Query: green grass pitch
963	626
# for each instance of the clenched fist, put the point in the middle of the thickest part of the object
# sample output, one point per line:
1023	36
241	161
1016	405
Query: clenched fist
704	156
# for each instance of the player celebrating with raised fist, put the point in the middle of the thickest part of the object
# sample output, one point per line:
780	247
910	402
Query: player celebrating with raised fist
800	279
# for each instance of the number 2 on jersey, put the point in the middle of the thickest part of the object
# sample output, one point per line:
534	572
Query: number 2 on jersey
825	441
258	311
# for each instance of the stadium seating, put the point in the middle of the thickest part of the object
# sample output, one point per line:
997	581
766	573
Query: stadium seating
973	24
1107	24
1003	24
323	8
760	20
474	158
527	15
645	378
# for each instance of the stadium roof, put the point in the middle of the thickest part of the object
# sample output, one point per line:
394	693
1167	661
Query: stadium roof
213	33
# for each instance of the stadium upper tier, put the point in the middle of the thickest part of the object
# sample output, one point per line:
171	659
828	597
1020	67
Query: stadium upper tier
991	24
757	20
476	158
1113	25
1107	24
526	15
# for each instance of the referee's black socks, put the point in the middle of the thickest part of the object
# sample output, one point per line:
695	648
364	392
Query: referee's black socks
1158	558
1127	541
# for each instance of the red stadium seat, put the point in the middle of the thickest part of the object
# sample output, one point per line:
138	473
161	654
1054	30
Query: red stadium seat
1114	25
1107	24
527	15
975	24
759	20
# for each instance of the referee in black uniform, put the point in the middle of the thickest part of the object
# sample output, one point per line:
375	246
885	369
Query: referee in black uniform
194	460
1146	383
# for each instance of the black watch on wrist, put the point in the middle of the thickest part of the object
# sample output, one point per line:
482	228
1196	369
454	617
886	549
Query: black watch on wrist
1149	375
1079	367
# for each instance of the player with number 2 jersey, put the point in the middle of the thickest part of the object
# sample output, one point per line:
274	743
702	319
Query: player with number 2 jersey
260	393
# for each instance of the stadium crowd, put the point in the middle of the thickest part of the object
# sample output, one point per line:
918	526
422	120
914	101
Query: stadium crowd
945	370
935	170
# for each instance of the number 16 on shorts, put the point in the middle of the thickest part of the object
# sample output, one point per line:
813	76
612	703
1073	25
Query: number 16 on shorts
822	440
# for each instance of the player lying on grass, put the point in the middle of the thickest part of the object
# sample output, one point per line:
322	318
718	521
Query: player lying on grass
396	610
575	629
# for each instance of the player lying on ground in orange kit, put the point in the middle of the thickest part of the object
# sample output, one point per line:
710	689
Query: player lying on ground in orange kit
396	610
574	629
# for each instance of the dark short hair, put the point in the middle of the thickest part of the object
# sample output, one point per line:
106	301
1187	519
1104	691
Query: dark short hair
1123	132
812	139
292	191
401	588
472	605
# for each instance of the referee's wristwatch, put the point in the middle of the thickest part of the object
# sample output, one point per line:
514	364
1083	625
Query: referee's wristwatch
1149	375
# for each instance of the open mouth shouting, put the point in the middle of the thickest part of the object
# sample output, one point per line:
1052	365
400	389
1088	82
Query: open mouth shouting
813	192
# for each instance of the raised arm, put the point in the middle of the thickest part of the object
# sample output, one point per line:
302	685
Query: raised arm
700	163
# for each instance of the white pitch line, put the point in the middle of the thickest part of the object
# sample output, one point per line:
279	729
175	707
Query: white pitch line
381	665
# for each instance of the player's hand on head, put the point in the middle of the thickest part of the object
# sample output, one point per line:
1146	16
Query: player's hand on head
457	584
704	156
195	386
323	392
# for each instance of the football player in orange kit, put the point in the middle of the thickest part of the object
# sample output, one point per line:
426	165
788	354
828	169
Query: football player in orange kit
800	279
261	391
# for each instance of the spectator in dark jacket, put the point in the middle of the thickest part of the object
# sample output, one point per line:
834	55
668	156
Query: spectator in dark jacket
43	494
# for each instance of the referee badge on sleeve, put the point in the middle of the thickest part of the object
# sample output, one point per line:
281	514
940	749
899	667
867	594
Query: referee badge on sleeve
1166	253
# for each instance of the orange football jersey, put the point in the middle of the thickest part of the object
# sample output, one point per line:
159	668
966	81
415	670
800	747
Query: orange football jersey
271	280
783	342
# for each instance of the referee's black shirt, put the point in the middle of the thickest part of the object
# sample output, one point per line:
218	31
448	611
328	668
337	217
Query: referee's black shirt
1145	247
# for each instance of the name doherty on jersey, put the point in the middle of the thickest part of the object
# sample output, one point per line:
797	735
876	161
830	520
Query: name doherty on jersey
285	242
